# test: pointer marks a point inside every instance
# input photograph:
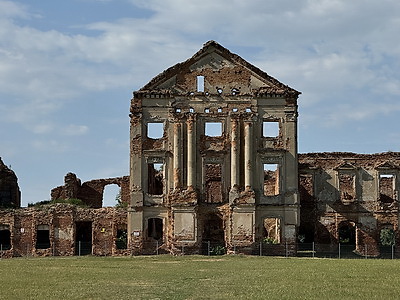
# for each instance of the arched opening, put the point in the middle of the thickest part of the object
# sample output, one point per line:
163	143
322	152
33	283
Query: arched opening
347	238
387	241
155	228
111	195
347	233
5	237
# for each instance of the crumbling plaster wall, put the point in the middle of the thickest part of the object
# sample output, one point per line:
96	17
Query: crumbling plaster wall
61	220
241	98
90	192
323	204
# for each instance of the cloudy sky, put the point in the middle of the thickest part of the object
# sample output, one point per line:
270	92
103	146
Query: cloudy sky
68	70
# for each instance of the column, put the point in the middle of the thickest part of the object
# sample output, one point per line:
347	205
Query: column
177	155
234	154
191	148
247	155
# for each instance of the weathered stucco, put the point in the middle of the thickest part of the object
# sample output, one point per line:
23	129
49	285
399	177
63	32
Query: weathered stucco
238	188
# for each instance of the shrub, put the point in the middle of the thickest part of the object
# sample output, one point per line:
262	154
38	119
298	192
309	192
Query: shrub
387	237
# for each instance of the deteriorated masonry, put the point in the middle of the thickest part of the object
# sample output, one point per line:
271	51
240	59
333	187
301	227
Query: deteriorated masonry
90	192
214	165
10	195
204	135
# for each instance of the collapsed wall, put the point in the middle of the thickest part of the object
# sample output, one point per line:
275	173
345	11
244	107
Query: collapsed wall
10	195
349	198
63	230
90	192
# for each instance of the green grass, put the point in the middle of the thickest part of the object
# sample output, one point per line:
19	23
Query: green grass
198	277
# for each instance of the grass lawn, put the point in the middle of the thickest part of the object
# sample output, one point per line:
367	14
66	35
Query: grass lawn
198	277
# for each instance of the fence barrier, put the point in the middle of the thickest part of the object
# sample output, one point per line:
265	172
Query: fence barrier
210	248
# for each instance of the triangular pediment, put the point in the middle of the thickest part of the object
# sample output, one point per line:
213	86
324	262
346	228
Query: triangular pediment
346	166
386	166
223	73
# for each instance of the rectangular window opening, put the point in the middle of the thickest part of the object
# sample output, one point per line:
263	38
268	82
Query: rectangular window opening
200	83
155	178
5	237
271	179
347	187
306	187
155	228
42	237
213	129
272	230
213	180
270	129
121	240
155	130
386	188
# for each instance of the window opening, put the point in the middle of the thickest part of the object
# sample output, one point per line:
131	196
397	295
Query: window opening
272	230
155	130
111	195
207	110
347	233
178	110
270	129
191	110
200	83
42	237
121	240
155	228
235	91
219	109
248	109
213	230
347	187
306	188
213	181
83	238
155	178
386	188
271	179
306	233
219	91
213	129
5	237
235	109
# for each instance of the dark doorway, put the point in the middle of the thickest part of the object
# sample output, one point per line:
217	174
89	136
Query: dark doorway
213	235
347	233
42	237
83	238
214	229
155	228
5	237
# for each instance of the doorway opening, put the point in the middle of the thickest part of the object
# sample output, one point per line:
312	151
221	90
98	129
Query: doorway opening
83	238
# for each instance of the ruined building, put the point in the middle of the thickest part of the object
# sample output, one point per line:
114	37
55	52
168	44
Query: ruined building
10	195
349	198
213	155
214	164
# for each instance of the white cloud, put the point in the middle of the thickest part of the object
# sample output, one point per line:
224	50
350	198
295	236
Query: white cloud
13	9
75	130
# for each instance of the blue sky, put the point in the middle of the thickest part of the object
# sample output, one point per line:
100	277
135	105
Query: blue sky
68	70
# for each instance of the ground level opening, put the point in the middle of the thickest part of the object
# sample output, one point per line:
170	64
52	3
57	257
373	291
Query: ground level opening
83	238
